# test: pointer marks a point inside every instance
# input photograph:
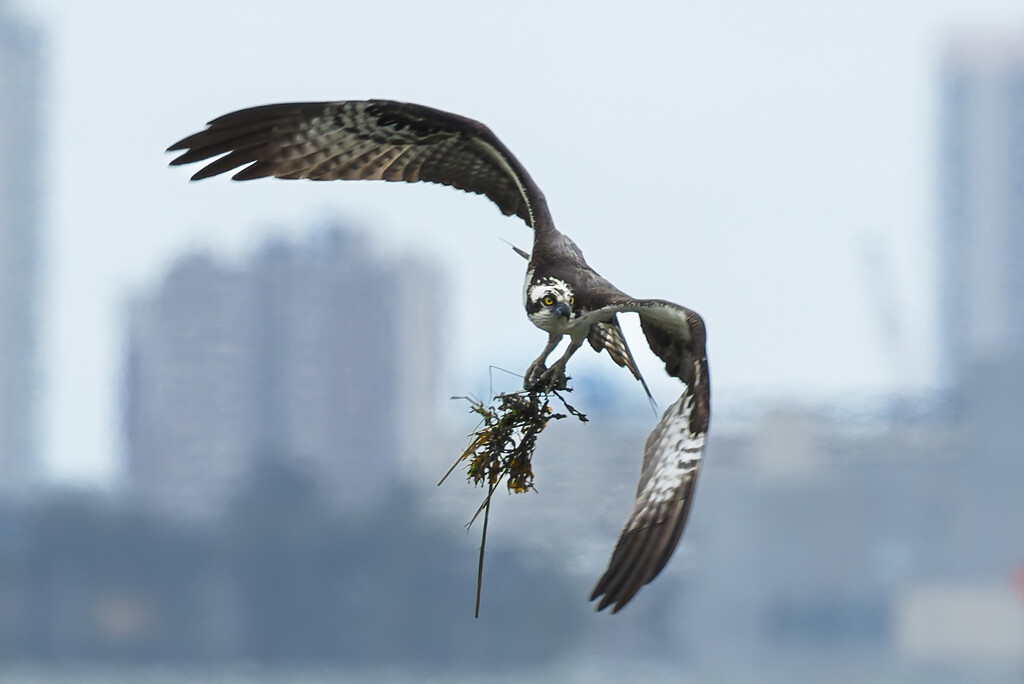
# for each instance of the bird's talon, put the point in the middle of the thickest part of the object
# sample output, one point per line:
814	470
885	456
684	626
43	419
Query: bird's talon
555	379
546	379
534	377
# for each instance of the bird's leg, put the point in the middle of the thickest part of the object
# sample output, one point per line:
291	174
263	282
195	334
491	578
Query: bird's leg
554	377
537	370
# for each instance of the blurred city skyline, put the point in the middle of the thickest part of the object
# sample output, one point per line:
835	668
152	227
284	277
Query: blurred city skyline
229	365
786	143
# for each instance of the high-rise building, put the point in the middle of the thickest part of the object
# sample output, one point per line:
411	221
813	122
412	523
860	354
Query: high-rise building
981	196
312	355
21	90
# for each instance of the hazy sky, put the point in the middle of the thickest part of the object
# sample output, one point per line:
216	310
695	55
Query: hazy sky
736	157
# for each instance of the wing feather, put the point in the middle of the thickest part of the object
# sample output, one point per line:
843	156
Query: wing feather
672	455
609	336
366	140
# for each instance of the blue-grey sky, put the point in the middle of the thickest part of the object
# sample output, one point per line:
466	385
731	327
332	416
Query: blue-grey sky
737	157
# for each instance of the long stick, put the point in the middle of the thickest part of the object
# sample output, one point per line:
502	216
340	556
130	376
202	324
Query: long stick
483	545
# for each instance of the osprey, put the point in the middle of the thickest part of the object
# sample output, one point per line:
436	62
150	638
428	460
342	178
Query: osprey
563	295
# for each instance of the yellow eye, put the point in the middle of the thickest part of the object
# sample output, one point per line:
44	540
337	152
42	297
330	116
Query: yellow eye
548	301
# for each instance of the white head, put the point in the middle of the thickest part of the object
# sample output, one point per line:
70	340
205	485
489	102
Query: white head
549	303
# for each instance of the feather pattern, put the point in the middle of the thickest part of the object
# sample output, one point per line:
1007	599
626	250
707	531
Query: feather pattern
366	140
609	336
672	455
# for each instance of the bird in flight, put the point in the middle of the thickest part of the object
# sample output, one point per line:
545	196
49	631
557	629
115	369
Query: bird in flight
562	294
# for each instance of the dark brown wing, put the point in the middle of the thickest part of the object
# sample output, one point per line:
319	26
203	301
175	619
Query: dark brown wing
366	140
672	455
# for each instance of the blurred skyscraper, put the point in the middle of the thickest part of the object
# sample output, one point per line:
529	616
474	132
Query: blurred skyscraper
981	209
981	218
319	355
21	117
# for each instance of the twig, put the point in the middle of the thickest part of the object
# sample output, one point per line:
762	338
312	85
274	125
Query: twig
501	448
483	547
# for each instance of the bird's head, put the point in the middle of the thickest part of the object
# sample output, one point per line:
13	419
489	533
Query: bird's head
549	303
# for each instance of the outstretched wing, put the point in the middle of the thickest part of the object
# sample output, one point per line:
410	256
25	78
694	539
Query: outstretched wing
366	140
672	455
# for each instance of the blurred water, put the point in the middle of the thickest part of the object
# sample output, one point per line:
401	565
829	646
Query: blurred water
573	672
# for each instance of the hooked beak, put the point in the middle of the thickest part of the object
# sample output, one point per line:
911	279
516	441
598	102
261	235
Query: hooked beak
564	310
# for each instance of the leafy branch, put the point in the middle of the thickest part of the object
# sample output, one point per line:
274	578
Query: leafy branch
501	449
